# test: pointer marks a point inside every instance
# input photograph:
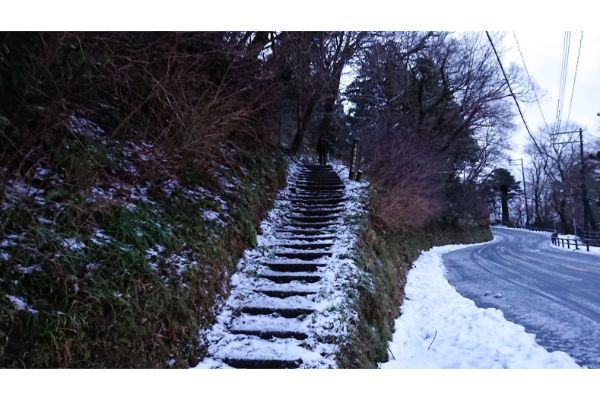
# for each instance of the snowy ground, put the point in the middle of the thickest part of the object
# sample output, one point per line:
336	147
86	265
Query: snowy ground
439	328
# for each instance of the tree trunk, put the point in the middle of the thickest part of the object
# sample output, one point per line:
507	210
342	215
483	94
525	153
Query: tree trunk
303	125
563	216
504	200
327	121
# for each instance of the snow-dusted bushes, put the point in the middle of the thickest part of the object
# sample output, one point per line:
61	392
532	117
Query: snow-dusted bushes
124	271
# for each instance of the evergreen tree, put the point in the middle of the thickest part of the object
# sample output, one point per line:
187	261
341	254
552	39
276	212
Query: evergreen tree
504	184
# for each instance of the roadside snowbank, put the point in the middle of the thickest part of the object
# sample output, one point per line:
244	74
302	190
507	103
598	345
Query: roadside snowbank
439	328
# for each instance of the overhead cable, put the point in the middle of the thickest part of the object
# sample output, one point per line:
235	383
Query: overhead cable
575	77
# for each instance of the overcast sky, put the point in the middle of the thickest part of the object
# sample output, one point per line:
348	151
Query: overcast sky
543	51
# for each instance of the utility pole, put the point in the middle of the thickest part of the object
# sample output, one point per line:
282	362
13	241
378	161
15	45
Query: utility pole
587	215
588	219
524	187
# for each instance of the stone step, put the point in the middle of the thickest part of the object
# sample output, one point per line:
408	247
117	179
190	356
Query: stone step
294	267
287	278
323	181
267	334
313	225
307	238
306	246
317	207
317	192
307	232
318	181
261	363
305	192
282	294
318	173
317	196
319	168
283	312
315	186
310	197
317	212
312	179
305	255
313	218
319	202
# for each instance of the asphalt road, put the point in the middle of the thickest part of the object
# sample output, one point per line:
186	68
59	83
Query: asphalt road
552	293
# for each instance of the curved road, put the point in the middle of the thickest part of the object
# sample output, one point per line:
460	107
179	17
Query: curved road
552	293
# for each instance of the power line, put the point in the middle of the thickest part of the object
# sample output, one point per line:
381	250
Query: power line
575	77
566	49
537	100
511	91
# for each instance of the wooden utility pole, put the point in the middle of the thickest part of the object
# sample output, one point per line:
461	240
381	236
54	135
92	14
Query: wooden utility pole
588	218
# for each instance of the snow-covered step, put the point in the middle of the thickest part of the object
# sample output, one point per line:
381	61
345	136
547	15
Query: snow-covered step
321	181
313	218
270	334
282	266
318	207
320	193
311	225
269	326
288	287
306	232
305	246
320	188
299	238
247	363
323	201
284	312
306	255
317	187
317	212
246	351
316	196
282	294
317	177
291	277
268	322
318	202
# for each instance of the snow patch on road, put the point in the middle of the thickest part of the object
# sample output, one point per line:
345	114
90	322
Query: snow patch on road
438	328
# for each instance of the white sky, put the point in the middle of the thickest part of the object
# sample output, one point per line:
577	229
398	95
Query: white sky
542	51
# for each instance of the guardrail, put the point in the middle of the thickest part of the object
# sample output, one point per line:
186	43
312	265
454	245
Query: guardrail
528	228
590	237
562	242
587	238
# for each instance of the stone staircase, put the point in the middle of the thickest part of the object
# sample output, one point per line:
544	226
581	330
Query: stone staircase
271	319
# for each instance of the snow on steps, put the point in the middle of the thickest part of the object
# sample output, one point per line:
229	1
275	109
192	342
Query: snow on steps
285	308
